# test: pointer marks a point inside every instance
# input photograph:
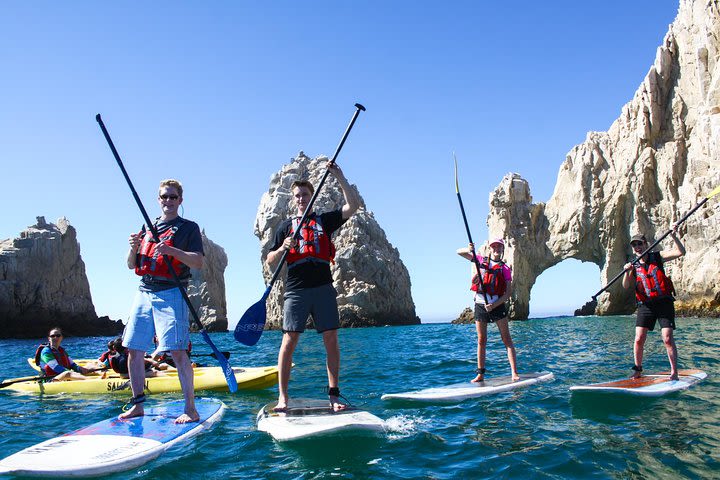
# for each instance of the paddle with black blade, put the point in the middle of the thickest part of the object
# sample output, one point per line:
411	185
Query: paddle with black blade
662	237
41	377
252	323
467	229
227	369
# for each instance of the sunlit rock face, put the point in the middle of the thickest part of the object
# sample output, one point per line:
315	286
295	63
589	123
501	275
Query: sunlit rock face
43	284
655	163
207	288
372	282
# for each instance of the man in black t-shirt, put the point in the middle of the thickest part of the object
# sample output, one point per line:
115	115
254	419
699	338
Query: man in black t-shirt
159	308
308	288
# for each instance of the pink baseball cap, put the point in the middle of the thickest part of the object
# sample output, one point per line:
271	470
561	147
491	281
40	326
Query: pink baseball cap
497	240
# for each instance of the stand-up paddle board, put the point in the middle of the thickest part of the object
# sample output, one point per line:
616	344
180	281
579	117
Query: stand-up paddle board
113	445
461	391
653	385
305	418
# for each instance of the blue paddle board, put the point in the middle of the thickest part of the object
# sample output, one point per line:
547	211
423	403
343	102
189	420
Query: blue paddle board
113	445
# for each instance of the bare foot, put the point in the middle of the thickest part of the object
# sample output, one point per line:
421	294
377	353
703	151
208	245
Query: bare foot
515	377
479	379
674	376
336	405
188	417
136	410
282	404
636	375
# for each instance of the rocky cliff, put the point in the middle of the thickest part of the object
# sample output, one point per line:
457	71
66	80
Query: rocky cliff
43	284
373	284
207	288
657	161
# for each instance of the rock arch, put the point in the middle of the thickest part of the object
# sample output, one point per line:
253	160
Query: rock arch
657	160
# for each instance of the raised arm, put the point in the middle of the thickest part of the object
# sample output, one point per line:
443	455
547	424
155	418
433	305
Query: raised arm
352	201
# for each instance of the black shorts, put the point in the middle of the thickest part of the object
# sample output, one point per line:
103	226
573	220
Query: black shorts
662	311
482	315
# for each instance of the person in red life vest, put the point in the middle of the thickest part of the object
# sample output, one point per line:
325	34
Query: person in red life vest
492	287
159	308
309	285
55	362
654	294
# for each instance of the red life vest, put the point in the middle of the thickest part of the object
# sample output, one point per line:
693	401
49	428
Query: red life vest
313	244
61	357
493	278
149	262
651	282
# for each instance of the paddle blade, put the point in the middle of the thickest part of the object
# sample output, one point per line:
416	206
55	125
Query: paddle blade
713	193
226	368
251	325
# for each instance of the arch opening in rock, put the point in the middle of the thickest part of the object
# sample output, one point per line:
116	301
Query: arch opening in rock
562	289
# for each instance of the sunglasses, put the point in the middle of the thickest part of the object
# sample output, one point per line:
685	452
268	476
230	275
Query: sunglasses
169	197
55	335
636	244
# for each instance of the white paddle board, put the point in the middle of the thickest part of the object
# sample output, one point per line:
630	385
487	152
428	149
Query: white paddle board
306	418
653	385
462	391
113	445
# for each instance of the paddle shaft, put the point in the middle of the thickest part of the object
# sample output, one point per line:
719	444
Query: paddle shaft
40	377
647	250
467	229
296	235
153	230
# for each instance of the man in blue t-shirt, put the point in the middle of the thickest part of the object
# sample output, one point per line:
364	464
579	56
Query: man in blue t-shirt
308	288
159	308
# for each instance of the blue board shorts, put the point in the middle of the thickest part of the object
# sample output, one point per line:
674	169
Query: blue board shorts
163	314
320	302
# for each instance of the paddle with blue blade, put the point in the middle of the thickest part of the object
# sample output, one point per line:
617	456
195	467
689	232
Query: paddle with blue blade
662	237
467	229
227	369
252	323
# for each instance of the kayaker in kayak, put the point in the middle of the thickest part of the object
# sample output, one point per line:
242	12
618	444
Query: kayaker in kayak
55	362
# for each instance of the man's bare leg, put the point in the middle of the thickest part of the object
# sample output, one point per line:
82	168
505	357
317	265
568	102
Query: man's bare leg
332	350
289	342
136	368
185	374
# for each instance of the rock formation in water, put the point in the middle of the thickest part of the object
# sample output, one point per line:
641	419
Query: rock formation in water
656	162
207	288
373	284
43	284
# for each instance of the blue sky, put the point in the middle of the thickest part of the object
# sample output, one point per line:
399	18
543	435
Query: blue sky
221	94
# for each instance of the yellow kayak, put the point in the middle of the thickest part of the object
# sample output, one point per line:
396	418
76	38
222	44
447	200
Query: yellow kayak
206	378
83	362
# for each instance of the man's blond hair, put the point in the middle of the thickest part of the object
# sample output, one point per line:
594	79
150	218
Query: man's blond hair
171	182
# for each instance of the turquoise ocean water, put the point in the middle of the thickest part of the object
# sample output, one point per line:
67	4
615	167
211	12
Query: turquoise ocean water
538	432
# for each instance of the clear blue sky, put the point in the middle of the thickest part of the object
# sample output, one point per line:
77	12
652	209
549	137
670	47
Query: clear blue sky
221	94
